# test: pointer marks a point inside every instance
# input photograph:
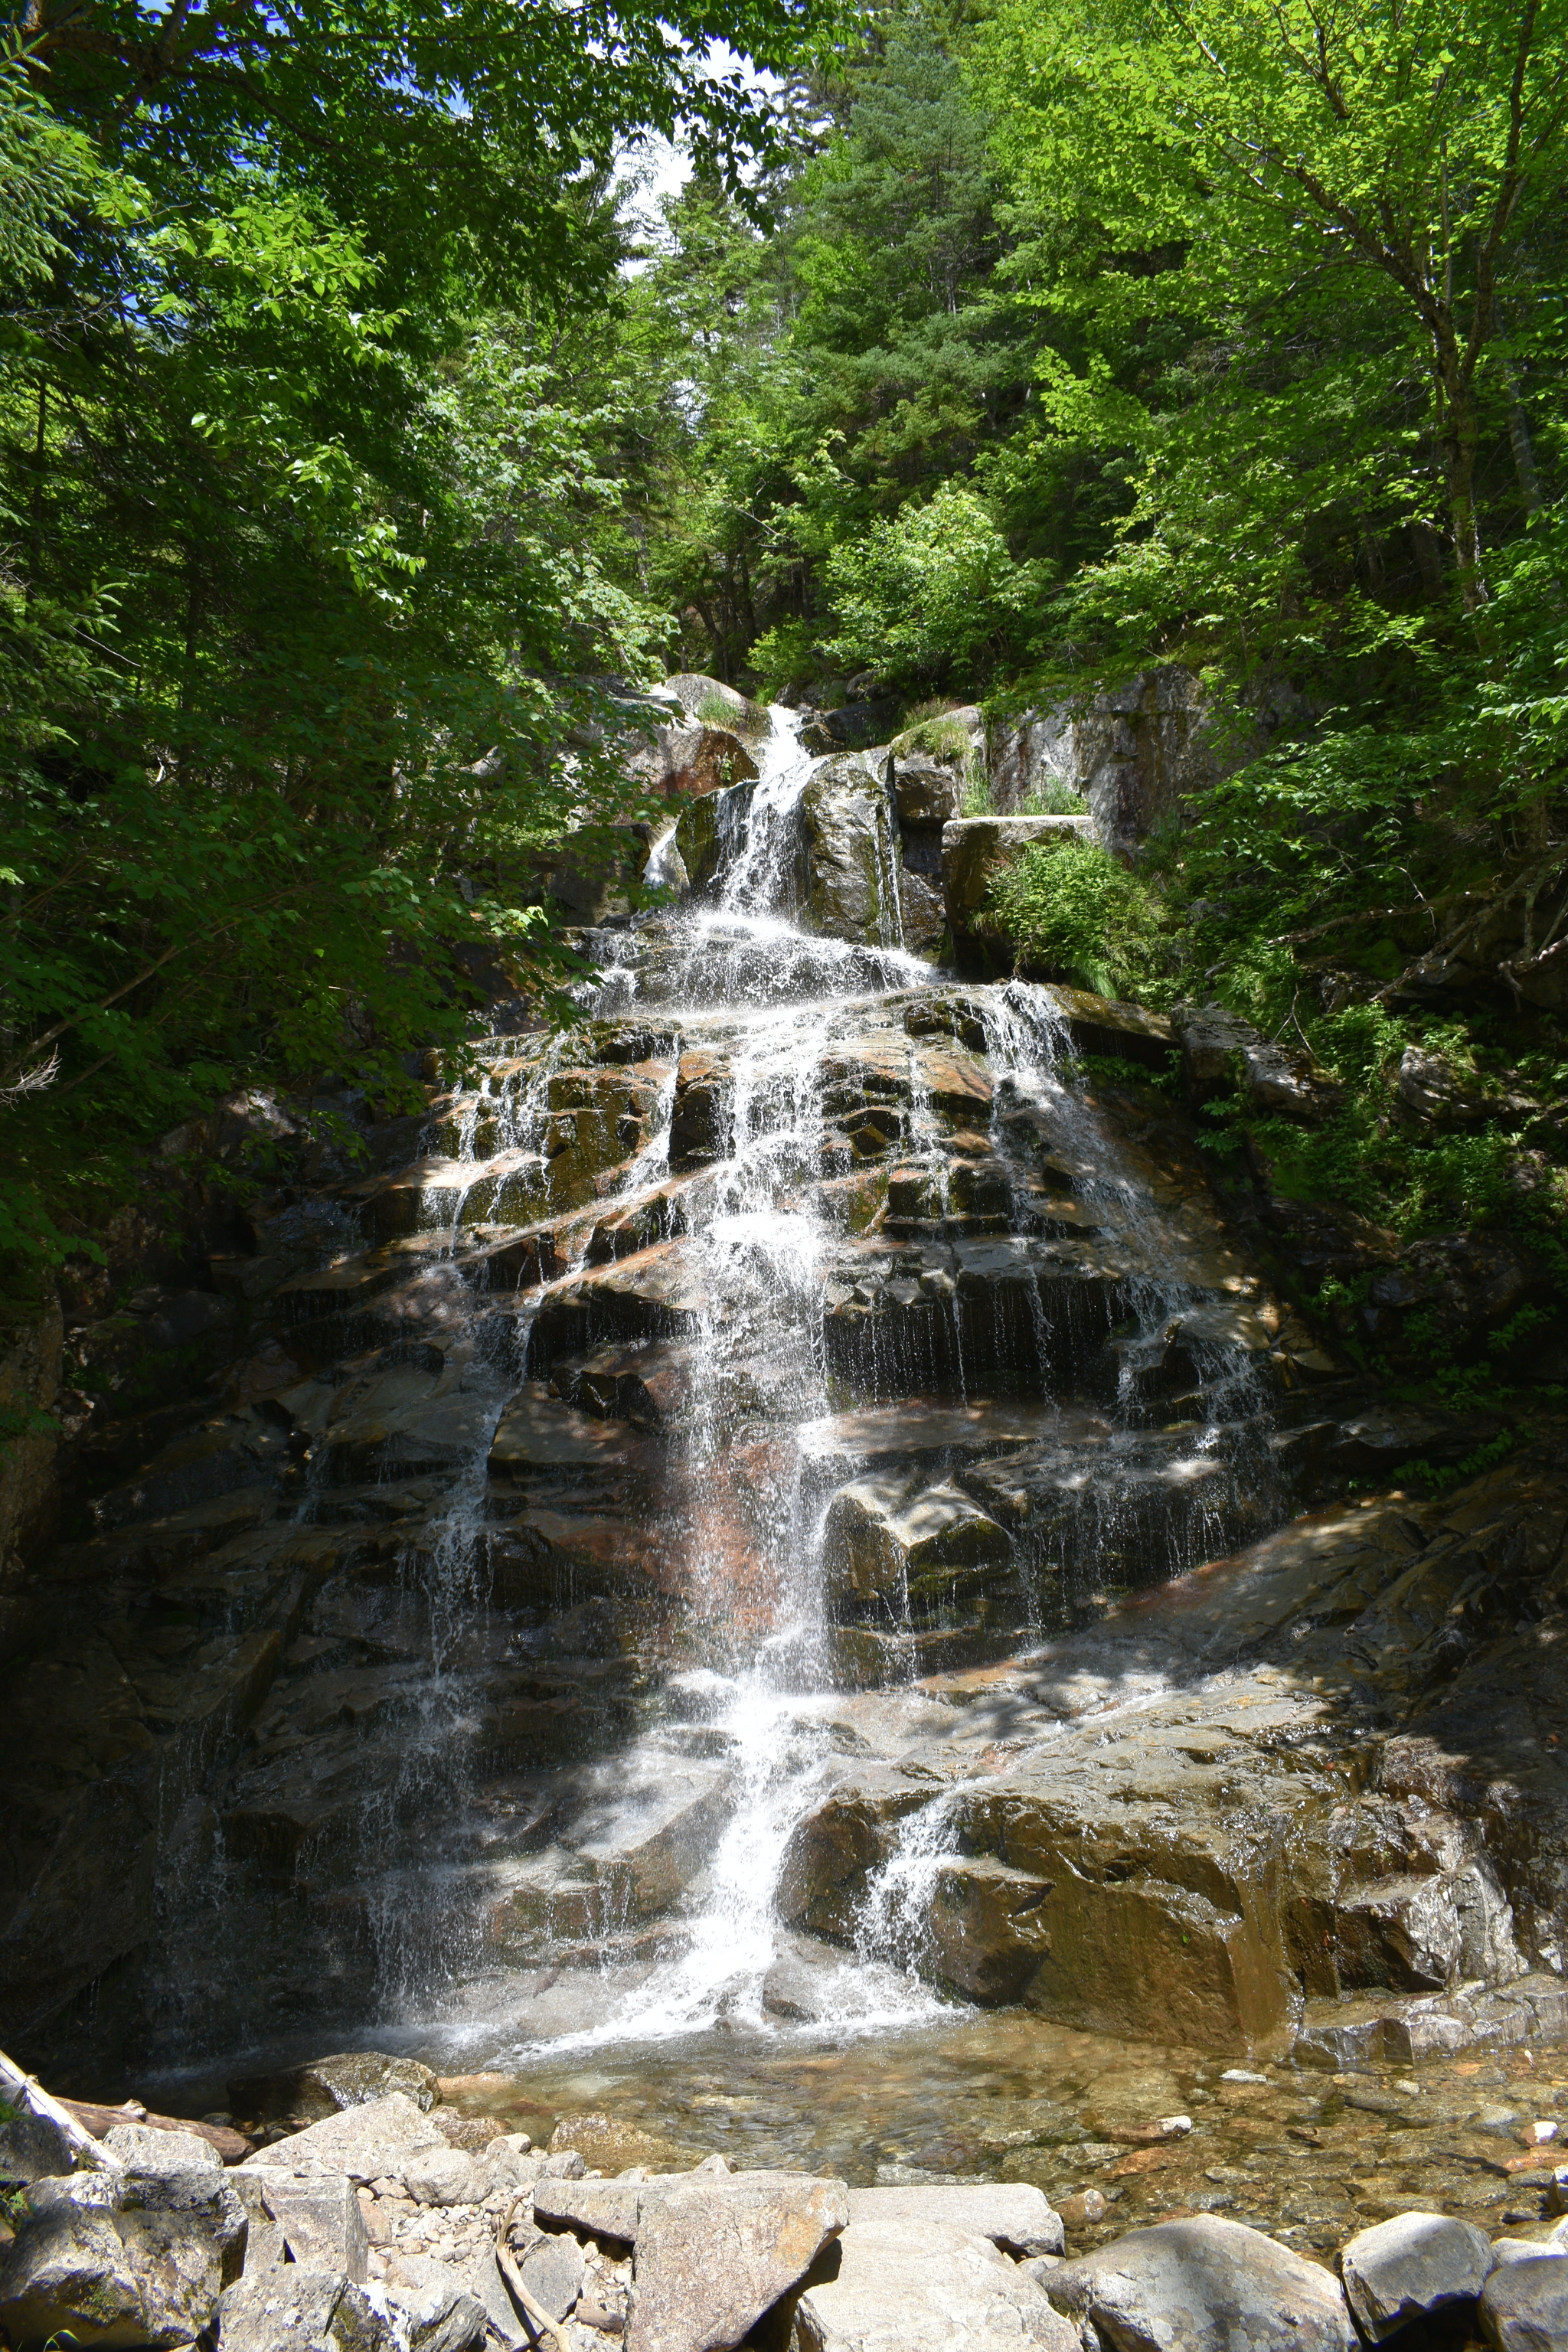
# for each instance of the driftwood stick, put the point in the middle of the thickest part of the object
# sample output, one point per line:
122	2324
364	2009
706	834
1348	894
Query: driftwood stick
28	2091
536	2311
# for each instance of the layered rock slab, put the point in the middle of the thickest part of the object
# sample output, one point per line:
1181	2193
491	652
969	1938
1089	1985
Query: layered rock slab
367	2142
1015	2215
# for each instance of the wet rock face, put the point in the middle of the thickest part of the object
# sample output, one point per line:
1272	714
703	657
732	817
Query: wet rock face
700	1125
890	1540
787	1304
849	889
1205	1856
706	832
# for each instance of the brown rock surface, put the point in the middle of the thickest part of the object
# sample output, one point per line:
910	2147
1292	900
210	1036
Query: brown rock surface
1187	1840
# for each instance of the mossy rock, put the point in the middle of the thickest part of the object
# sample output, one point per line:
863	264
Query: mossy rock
711	703
946	740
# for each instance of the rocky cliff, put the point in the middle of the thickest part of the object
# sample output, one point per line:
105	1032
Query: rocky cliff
785	1486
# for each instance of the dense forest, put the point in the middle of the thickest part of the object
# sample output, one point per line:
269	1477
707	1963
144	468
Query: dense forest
371	435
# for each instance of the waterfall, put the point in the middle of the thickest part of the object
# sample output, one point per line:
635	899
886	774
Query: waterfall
835	1334
742	974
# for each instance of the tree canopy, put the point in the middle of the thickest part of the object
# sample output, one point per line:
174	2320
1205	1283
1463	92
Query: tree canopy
317	576
368	438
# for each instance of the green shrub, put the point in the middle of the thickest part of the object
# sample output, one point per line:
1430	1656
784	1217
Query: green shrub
1054	799
941	738
744	719
1071	907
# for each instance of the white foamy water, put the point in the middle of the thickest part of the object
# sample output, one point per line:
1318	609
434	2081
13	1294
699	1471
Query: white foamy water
775	1003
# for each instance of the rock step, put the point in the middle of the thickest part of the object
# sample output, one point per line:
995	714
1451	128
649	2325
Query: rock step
1169	1824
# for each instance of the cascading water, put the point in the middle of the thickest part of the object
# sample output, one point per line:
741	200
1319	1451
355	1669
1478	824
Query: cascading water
742	976
717	1599
748	1362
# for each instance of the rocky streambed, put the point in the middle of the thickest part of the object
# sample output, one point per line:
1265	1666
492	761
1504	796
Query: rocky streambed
413	2217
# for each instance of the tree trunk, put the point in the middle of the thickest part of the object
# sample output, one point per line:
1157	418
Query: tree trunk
1460	433
1521	443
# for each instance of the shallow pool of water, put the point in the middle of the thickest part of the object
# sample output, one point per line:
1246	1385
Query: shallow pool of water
1308	2155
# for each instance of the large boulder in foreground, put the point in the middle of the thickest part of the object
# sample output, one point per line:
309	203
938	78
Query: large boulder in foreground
902	2281
1524	2307
138	2257
715	2251
1415	2263
68	2276
1203	2286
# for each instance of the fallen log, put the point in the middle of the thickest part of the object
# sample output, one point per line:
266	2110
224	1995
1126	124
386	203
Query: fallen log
232	2146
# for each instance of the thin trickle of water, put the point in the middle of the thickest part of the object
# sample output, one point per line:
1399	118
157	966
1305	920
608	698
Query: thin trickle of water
760	876
1027	1042
894	1924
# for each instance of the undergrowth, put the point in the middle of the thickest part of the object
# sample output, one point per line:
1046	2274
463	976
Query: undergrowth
1076	914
